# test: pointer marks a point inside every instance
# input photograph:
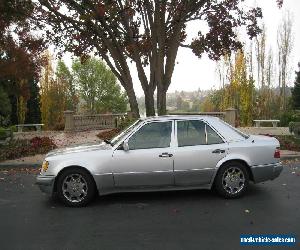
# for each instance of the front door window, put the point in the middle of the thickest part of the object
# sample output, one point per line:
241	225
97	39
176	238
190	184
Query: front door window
152	135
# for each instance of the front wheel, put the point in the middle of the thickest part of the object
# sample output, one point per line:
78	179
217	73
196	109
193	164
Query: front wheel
232	180
75	187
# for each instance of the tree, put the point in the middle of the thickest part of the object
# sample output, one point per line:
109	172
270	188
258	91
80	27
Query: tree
5	105
65	77
53	97
285	44
296	90
264	62
260	49
45	86
98	86
20	59
148	33
33	104
238	88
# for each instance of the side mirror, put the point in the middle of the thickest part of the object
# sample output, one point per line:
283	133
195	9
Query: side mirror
125	146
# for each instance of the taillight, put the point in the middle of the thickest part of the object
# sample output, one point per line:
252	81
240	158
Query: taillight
277	153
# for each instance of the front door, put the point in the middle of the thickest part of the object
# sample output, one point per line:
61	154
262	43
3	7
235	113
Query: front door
149	160
199	149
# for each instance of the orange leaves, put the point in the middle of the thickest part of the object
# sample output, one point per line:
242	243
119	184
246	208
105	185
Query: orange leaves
144	45
100	10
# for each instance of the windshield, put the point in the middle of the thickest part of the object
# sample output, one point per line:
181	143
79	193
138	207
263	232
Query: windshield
124	133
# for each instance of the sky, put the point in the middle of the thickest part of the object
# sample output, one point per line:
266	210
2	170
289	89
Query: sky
192	73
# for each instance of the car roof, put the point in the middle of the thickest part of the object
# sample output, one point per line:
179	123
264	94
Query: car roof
178	117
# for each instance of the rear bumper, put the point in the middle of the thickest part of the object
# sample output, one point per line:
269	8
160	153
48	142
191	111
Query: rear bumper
45	183
266	172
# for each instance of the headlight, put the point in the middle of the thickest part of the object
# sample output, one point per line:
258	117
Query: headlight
45	166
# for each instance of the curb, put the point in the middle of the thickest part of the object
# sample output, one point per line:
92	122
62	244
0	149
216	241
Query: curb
20	165
290	157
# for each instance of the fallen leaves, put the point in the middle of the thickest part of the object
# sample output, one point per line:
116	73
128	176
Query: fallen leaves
13	171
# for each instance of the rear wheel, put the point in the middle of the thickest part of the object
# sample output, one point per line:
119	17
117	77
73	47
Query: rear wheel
232	180
75	187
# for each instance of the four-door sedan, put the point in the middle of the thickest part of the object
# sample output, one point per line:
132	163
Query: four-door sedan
162	153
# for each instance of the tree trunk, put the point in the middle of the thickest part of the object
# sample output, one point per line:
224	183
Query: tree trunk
149	103
133	102
161	100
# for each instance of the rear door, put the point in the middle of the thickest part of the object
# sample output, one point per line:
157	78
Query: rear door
199	149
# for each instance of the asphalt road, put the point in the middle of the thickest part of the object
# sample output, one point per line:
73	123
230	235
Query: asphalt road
168	220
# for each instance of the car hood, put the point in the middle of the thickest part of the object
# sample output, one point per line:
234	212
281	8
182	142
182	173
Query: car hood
79	148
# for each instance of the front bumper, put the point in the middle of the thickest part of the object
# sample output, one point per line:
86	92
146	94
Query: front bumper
266	172
45	183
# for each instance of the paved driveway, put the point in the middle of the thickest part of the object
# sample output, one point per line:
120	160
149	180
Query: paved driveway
168	220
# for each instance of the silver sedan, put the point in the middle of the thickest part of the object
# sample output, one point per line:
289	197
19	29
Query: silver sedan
162	153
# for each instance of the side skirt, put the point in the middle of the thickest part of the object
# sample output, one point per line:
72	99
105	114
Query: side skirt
151	189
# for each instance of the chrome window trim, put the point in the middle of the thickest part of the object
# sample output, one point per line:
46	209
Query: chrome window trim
217	132
205	133
206	124
135	130
174	141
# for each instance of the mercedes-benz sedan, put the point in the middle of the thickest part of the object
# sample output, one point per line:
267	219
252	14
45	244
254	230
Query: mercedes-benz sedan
162	153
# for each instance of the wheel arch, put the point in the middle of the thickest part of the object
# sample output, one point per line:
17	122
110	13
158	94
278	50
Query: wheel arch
70	167
231	160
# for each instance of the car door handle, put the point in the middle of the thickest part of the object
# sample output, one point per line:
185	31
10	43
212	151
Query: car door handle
218	151
165	155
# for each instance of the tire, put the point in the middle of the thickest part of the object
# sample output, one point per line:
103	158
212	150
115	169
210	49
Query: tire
232	180
75	187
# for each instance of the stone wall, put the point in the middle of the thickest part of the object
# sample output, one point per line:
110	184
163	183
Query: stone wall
229	116
104	121
86	122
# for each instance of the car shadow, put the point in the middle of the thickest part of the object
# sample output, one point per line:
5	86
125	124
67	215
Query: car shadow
161	197
155	197
198	195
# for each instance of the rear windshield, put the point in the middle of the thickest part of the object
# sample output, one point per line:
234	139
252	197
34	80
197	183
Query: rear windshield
229	132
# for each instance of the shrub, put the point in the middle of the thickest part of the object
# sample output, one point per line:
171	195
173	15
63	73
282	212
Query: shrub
288	142
13	128
287	117
21	148
109	134
124	123
42	144
294	127
5	133
59	126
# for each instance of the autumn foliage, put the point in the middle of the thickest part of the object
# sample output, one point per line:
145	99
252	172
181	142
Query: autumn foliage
147	33
20	58
21	148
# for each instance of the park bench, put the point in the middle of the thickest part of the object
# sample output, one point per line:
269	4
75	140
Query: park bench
274	122
37	126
